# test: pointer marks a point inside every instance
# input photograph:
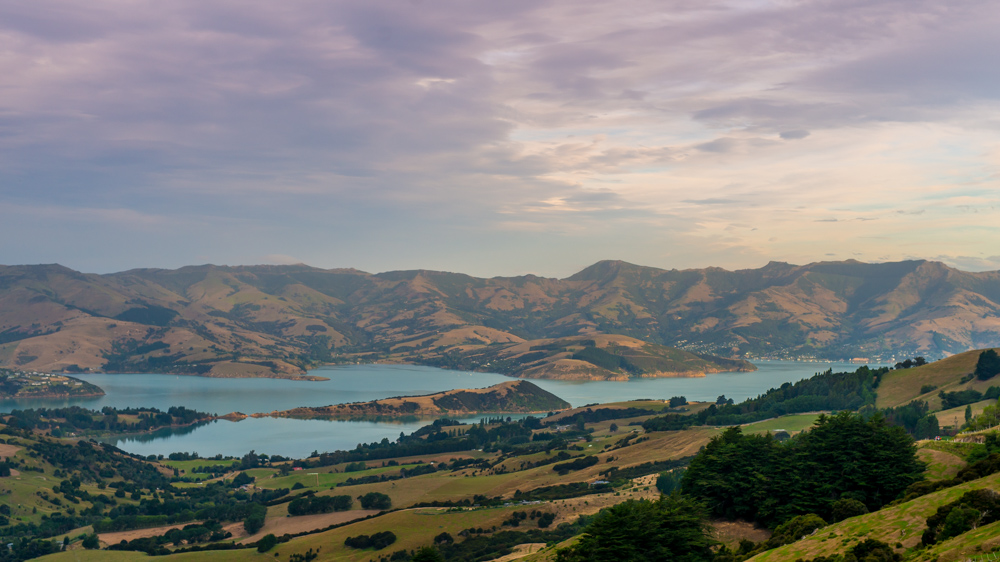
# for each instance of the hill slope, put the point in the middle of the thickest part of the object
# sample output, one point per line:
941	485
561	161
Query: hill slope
507	397
276	320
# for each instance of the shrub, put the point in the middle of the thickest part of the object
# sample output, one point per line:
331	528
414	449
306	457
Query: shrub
267	543
848	507
320	504
427	554
378	541
91	542
375	500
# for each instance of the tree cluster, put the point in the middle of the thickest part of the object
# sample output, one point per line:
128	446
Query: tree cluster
757	478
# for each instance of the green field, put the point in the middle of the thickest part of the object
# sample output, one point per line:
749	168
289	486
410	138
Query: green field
792	424
187	466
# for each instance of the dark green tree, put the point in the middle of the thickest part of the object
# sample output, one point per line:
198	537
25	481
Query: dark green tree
375	500
267	543
91	542
988	365
427	554
671	528
731	474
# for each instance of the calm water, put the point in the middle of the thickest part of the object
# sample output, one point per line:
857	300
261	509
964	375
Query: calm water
357	383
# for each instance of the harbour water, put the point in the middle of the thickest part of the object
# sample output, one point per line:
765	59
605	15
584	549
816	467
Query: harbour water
359	383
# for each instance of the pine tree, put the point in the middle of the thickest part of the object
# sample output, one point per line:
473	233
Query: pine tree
988	365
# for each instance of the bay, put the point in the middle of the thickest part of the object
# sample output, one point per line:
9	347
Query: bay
359	383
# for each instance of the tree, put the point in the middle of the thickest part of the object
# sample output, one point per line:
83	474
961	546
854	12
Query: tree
848	456
375	500
848	507
613	427
427	554
731	472
671	528
267	543
843	456
91	542
988	365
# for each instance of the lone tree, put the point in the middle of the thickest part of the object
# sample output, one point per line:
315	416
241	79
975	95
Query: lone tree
988	365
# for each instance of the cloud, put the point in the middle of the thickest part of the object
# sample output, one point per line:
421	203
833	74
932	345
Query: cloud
381	132
793	135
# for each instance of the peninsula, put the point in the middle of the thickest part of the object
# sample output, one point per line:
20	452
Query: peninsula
30	384
514	397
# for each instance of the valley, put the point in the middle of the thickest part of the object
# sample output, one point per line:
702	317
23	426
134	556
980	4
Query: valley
489	489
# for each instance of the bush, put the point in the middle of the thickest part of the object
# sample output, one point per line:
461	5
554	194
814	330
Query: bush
974	509
267	543
91	542
375	500
320	504
444	538
848	507
378	541
427	554
796	528
575	464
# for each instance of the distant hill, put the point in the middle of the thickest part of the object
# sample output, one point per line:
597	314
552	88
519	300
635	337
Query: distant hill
507	397
279	320
590	357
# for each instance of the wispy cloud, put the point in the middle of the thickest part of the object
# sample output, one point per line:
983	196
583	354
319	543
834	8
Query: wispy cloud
394	134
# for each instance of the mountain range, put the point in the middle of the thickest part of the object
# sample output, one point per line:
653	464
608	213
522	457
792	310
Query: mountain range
279	320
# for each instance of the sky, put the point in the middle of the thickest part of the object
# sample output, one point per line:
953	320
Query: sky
498	138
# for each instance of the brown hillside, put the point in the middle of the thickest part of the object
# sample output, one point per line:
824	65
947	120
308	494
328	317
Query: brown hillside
278	320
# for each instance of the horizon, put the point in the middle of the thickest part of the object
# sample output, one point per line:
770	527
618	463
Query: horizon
543	276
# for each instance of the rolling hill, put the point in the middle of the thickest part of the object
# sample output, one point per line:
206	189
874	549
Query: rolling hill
278	320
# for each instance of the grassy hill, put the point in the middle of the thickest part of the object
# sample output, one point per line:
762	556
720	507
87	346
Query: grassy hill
278	320
507	397
904	385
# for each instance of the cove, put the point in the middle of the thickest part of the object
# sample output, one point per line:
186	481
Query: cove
358	383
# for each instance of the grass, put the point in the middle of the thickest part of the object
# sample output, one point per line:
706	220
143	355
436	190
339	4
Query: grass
792	424
955	417
310	477
187	466
967	545
413	529
940	464
960	450
900	387
902	523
